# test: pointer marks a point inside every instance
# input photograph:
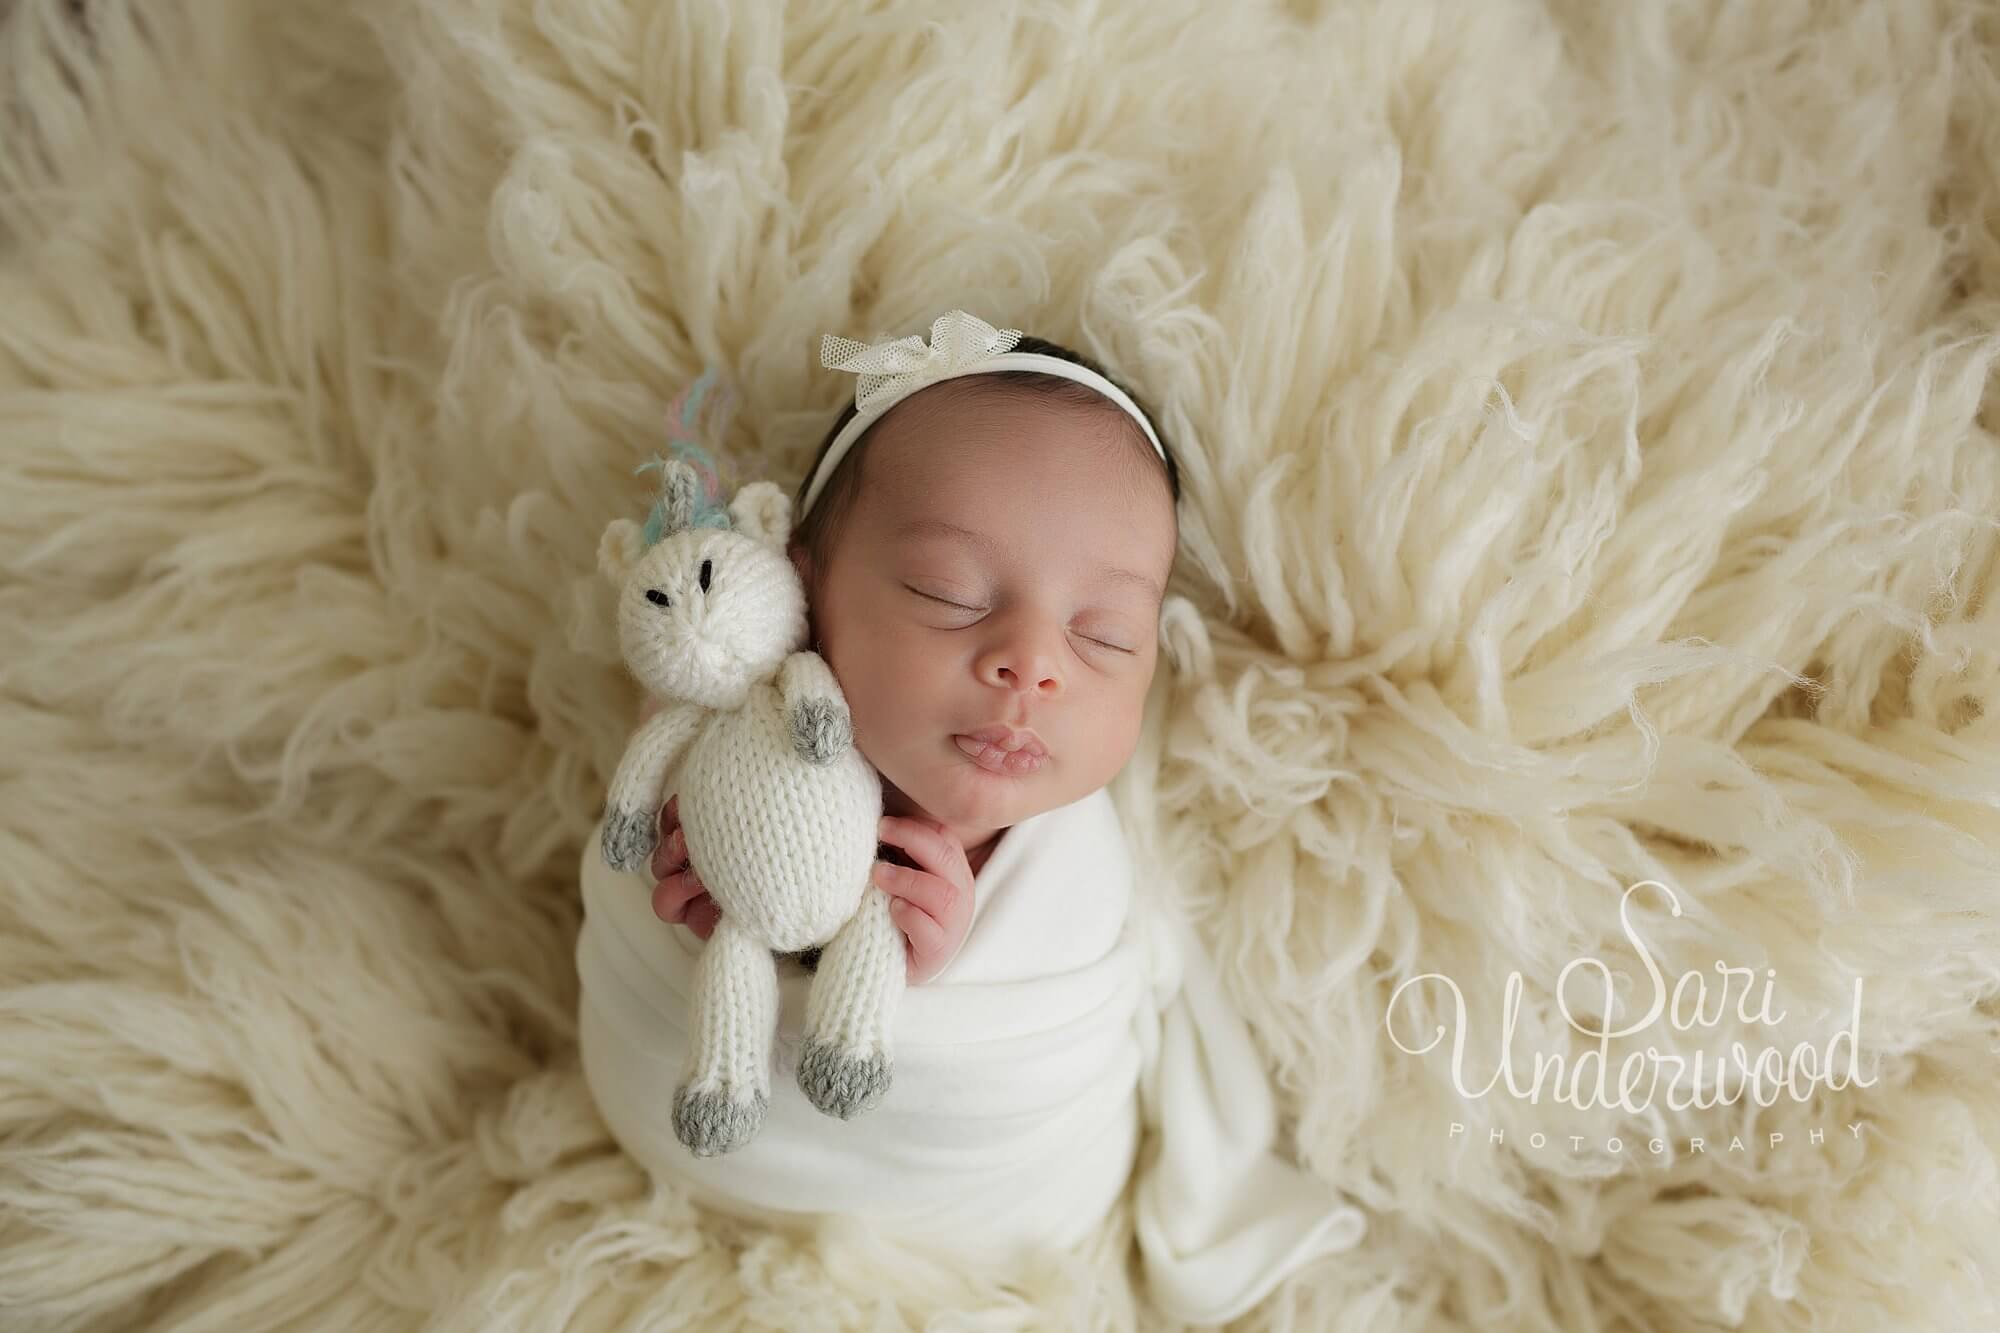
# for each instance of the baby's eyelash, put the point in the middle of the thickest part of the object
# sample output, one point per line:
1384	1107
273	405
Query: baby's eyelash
960	607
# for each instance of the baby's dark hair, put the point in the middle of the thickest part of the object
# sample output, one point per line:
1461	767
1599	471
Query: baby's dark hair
817	531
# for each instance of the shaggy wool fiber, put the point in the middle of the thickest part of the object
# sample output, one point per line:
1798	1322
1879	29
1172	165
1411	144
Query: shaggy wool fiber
1588	416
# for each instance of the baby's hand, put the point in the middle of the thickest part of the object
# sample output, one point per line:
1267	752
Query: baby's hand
931	905
680	897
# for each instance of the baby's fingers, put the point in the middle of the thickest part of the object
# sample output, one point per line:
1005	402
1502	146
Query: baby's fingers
674	894
926	937
702	914
930	894
698	913
671	856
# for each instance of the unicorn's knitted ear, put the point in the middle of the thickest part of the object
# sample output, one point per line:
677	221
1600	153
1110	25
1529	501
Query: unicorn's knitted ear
763	510
619	549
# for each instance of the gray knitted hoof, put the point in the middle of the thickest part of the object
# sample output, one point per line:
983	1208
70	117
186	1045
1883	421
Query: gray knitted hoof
840	1083
709	1121
630	837
821	729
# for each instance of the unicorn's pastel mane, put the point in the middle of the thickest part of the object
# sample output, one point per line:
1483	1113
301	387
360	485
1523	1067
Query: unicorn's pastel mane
684	439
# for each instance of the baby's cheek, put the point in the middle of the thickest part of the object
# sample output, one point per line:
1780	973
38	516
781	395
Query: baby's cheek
1124	719
893	683
883	720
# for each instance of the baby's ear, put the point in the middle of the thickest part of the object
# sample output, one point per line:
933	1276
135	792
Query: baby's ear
762	510
619	548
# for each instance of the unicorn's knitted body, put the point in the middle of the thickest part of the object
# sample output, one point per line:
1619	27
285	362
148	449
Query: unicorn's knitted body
779	810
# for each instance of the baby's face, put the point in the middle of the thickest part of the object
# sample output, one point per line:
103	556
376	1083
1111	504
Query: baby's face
1045	617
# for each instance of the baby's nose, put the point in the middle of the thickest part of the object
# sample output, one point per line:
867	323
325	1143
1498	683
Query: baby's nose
1036	680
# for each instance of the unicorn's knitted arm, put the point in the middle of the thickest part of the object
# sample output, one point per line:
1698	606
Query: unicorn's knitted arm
632	819
815	707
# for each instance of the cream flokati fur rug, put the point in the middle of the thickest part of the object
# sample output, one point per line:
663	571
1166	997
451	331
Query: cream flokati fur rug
1588	417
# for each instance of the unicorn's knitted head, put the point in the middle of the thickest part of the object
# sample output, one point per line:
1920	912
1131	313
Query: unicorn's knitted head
708	602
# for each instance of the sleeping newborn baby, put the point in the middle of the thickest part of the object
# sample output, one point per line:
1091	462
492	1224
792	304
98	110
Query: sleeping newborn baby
985	539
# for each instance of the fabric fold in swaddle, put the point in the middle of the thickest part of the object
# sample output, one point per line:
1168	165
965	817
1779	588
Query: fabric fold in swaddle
1221	1219
1072	1017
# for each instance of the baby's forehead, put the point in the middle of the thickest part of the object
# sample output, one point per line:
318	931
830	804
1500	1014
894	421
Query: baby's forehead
1030	467
1029	491
1012	442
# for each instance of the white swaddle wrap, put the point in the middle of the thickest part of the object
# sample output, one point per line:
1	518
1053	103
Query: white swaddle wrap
1072	1014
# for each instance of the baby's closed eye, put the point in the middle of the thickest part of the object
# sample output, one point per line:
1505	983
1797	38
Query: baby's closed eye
1103	636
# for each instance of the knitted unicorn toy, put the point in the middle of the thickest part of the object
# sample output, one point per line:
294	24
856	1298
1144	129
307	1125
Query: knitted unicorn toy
779	810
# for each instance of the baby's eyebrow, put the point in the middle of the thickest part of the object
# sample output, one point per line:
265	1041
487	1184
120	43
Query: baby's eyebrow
937	527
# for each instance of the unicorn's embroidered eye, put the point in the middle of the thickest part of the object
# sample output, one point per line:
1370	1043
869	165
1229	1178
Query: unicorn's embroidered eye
704	574
658	598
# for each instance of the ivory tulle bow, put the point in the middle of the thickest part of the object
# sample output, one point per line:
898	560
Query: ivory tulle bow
892	370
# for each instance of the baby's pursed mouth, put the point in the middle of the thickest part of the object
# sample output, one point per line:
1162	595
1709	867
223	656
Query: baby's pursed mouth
992	759
1009	738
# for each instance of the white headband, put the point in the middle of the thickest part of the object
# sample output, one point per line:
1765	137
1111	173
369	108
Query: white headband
960	344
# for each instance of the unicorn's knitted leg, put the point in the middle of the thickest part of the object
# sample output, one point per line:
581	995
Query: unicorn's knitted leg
721	1101
845	1062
